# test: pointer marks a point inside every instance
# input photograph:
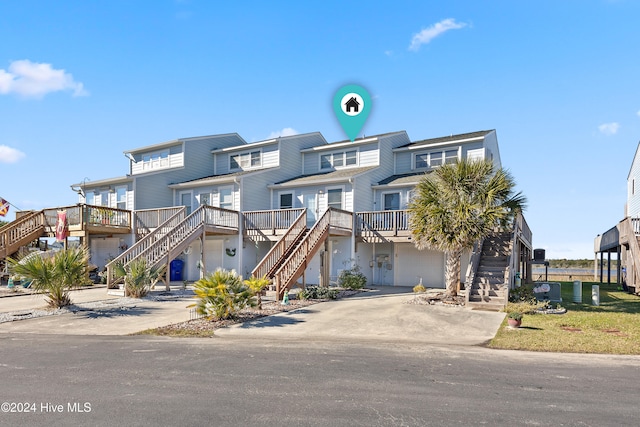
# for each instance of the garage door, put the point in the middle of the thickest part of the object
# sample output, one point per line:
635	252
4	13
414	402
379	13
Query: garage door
411	264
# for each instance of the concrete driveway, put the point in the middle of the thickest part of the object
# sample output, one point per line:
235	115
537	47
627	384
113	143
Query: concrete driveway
379	314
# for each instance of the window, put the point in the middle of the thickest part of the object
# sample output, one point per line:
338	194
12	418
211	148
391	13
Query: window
338	160
226	198
435	158
155	160
286	200
252	159
205	199
451	156
121	197
422	161
391	201
334	198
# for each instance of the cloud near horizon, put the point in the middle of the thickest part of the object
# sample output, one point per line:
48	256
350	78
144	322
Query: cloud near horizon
609	128
426	35
10	155
35	80
283	132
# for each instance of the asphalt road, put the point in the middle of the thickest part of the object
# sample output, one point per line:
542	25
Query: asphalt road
139	381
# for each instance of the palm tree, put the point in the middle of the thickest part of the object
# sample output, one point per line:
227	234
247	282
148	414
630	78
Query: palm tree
458	204
56	276
257	285
138	277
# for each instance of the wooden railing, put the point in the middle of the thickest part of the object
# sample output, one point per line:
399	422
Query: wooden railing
341	219
167	246
81	216
275	254
14	233
297	261
147	220
145	243
383	221
279	219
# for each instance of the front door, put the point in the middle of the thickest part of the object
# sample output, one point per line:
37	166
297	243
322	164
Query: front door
185	200
309	202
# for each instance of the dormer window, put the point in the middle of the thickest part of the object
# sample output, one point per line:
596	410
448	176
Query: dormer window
339	159
247	160
433	159
157	160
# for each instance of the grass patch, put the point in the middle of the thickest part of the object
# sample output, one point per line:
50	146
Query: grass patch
177	332
613	327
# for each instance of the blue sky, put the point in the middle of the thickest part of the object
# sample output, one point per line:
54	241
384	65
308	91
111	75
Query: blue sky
80	82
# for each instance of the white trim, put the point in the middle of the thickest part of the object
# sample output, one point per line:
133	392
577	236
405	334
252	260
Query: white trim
328	147
342	195
247	153
344	160
226	187
384	193
418	146
293	199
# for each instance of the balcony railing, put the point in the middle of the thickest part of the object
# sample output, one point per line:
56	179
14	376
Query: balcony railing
81	216
384	222
271	220
147	220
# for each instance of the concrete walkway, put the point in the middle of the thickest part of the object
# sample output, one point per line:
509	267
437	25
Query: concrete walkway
378	314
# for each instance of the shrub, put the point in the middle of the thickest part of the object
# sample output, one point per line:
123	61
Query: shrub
522	294
55	276
222	294
352	279
515	315
318	292
257	285
138	277
419	288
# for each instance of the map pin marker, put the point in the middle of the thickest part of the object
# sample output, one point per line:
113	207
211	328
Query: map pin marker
352	105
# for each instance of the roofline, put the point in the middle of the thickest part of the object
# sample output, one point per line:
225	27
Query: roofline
319	181
347	143
245	146
418	145
100	182
179	141
219	179
633	161
404	184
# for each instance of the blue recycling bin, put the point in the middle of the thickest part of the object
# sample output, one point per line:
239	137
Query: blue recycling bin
175	270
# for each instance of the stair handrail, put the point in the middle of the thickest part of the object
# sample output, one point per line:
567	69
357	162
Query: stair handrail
472	268
141	245
277	251
198	219
15	230
307	246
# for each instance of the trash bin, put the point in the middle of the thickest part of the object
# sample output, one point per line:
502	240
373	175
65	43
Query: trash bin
175	270
577	291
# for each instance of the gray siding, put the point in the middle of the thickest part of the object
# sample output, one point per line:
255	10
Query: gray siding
633	188
492	151
369	155
403	162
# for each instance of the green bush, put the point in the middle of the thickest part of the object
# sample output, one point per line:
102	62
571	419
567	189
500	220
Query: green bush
55	276
352	279
522	294
138	278
318	292
257	285
222	294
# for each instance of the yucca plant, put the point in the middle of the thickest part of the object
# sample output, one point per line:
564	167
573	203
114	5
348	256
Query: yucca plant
257	285
222	294
138	277
55	276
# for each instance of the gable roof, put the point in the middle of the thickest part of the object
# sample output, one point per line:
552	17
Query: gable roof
349	143
451	138
340	175
180	141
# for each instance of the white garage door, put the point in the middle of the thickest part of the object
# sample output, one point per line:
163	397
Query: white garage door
412	264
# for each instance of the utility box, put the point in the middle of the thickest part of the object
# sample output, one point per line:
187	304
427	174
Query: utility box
548	291
539	255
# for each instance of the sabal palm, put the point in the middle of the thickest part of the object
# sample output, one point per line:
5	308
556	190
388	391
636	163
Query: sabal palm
55	276
138	277
458	204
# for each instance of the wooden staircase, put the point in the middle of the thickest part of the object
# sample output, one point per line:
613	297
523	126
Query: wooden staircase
142	245
489	289
282	249
21	232
176	234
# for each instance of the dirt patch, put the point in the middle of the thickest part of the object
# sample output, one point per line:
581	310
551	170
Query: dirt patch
614	331
570	329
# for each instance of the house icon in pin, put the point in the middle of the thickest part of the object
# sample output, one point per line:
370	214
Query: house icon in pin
352	104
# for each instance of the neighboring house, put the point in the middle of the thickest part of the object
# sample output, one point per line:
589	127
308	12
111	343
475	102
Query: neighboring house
622	239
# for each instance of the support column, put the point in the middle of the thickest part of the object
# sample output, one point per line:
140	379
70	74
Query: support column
609	266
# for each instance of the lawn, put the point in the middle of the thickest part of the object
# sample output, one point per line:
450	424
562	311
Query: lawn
613	327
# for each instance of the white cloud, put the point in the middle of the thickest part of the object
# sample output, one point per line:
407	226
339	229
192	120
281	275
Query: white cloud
283	132
609	128
34	80
10	155
428	34
638	113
